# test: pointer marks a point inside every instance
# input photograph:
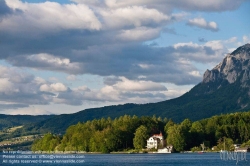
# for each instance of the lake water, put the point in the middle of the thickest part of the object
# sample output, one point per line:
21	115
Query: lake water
179	159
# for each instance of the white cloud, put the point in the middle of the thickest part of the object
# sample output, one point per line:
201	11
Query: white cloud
7	86
179	16
231	40
195	73
39	80
49	59
46	62
215	44
53	79
29	111
246	39
139	34
129	85
209	52
71	77
144	66
136	16
235	42
49	16
56	87
83	88
168	5
211	5
21	89
189	44
124	90
202	23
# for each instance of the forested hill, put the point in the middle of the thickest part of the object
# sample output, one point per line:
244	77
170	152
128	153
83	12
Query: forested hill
19	120
129	132
224	89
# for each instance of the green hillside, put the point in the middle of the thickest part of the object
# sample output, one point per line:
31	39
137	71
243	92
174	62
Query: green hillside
7	121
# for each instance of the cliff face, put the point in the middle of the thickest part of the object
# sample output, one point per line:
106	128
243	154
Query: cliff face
230	78
235	66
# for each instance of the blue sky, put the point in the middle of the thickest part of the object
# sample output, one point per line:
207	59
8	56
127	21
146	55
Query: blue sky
65	56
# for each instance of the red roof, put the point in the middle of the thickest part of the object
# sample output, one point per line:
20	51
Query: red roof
158	134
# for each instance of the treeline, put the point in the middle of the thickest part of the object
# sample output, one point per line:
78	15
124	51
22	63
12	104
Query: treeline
131	132
104	135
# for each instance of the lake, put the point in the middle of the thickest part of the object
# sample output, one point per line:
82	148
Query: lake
180	159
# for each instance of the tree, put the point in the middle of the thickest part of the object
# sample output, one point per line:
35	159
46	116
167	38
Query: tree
243	130
225	144
197	134
185	128
47	143
169	124
141	135
176	137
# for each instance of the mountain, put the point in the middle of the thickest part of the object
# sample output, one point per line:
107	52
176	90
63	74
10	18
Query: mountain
224	89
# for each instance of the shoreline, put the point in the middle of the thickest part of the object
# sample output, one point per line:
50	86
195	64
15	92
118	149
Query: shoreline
84	152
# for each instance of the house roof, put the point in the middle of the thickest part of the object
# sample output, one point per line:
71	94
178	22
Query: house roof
157	134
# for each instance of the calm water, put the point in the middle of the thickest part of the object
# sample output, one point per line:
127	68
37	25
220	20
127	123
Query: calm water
178	159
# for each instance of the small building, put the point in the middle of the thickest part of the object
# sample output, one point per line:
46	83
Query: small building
156	141
168	149
236	146
245	149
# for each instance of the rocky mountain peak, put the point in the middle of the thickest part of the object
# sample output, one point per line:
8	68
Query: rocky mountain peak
233	67
243	50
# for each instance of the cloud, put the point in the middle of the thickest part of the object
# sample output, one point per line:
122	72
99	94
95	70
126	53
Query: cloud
246	39
139	34
71	78
4	9
56	87
83	89
12	106
209	6
202	23
29	111
48	16
135	16
156	64
116	90
197	5
69	97
209	52
46	62
123	90
128	85
19	89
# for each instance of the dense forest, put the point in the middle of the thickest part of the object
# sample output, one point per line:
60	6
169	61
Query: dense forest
131	132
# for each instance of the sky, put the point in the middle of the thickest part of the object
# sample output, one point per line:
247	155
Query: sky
60	57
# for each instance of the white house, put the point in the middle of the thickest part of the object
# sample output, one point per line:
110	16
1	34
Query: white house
155	141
